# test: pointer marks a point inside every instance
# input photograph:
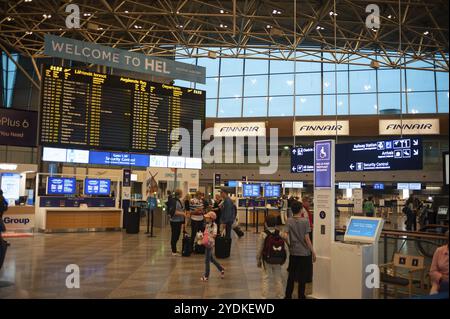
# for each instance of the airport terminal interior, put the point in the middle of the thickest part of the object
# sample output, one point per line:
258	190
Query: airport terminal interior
256	149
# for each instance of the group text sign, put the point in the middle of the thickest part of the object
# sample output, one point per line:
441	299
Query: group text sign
18	128
87	52
382	155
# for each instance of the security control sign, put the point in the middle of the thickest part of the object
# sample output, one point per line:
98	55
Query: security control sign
397	154
385	155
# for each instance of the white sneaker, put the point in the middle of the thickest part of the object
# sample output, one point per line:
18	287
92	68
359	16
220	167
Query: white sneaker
176	254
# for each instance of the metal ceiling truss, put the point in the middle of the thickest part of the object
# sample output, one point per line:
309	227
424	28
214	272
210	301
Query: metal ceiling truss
254	29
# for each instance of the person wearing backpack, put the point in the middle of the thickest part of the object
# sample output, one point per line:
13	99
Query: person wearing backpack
301	252
176	212
270	257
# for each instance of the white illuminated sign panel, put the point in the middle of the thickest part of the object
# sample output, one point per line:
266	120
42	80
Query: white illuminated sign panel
176	162
193	163
77	156
409	127
51	154
158	161
240	129
321	128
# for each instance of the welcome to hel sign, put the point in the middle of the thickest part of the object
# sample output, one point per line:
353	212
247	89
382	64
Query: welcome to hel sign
115	58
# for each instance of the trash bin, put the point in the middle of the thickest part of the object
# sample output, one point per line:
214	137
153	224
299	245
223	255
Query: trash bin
133	221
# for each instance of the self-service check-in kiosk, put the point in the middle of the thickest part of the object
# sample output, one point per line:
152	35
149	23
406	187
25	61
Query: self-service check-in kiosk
353	260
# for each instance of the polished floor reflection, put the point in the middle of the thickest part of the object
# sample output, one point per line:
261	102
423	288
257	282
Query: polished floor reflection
120	265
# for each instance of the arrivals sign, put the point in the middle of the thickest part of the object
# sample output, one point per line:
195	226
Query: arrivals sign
409	127
18	128
321	128
240	129
88	52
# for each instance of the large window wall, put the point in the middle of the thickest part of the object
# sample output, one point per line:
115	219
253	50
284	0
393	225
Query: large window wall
258	87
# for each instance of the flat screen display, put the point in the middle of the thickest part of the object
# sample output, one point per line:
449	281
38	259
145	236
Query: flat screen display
51	154
61	186
158	161
251	190
415	186
90	110
176	162
362	228
232	183
193	163
378	186
77	156
272	191
94	186
119	159
10	186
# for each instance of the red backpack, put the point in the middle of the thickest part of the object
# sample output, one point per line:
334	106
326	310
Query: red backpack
274	251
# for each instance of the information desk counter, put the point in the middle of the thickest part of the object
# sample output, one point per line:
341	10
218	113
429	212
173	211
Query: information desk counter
74	219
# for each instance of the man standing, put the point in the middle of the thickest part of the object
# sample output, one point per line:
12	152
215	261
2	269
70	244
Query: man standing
227	213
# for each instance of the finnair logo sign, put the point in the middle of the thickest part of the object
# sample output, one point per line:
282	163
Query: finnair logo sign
240	129
409	127
321	128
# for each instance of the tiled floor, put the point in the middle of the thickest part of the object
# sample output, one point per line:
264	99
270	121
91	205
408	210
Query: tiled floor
119	265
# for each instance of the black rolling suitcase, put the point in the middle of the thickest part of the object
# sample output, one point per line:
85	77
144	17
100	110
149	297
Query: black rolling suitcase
186	249
238	231
3	249
223	247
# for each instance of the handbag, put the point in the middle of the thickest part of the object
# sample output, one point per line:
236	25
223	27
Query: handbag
205	240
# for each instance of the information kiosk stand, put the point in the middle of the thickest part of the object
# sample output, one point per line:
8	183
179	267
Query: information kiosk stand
354	260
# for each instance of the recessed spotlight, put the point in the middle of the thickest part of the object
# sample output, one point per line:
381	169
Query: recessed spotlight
9	18
390	16
47	16
29	32
426	33
126	11
87	14
222	11
28	0
268	26
333	13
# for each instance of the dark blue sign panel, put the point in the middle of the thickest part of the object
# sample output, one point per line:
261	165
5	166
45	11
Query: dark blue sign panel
120	159
18	128
272	191
61	186
322	164
302	160
397	154
251	190
379	186
97	186
386	155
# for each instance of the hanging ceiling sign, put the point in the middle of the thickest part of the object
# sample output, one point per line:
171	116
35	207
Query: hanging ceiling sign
115	58
321	128
409	127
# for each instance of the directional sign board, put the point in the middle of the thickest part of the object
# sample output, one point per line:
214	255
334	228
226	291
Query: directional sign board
302	159
385	155
398	154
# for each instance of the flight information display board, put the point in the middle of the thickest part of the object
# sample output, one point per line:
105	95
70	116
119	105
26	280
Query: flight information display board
90	110
385	155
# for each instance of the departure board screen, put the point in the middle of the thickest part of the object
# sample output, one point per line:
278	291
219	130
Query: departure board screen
90	110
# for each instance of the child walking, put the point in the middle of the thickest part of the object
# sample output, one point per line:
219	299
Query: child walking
208	241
